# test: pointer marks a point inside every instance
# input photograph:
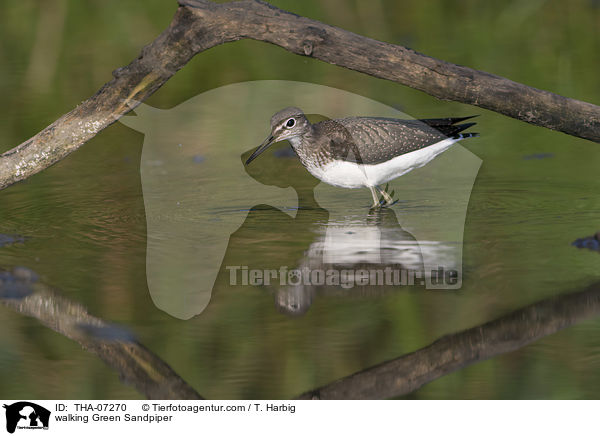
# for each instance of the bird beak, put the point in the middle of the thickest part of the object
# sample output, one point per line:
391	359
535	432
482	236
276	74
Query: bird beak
262	147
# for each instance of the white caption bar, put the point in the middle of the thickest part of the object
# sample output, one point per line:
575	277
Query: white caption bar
250	417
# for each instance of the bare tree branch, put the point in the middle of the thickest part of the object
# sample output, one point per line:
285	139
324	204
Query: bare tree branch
200	24
408	373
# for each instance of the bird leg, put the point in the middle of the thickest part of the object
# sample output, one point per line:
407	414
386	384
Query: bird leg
376	202
388	200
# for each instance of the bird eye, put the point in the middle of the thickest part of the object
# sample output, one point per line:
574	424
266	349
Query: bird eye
290	123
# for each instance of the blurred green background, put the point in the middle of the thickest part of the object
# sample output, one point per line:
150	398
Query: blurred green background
85	223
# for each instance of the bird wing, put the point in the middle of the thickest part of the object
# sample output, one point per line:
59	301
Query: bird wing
369	140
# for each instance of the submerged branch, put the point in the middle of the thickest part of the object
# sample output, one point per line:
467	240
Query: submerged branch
200	24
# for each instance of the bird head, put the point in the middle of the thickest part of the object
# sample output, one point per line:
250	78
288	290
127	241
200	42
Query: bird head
288	123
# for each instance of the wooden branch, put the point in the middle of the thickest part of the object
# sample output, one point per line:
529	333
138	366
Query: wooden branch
408	373
136	365
200	24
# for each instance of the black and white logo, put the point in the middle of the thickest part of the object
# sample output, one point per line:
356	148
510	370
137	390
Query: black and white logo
26	415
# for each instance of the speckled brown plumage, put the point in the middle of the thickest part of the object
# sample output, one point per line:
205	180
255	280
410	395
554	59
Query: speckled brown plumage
368	140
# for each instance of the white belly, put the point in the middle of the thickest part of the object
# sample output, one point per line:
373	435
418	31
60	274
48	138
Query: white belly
353	175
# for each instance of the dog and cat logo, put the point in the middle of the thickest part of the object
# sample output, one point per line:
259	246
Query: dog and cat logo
26	415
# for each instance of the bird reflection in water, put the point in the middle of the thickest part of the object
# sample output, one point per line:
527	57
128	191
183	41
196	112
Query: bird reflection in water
354	256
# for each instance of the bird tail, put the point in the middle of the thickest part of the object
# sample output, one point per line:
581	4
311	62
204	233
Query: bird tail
449	126
465	135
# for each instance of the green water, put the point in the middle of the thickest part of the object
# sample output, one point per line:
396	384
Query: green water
85	230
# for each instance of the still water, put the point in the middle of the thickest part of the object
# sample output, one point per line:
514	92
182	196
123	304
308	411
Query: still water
279	341
86	237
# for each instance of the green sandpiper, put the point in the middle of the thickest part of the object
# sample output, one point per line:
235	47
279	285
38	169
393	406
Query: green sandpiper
367	152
